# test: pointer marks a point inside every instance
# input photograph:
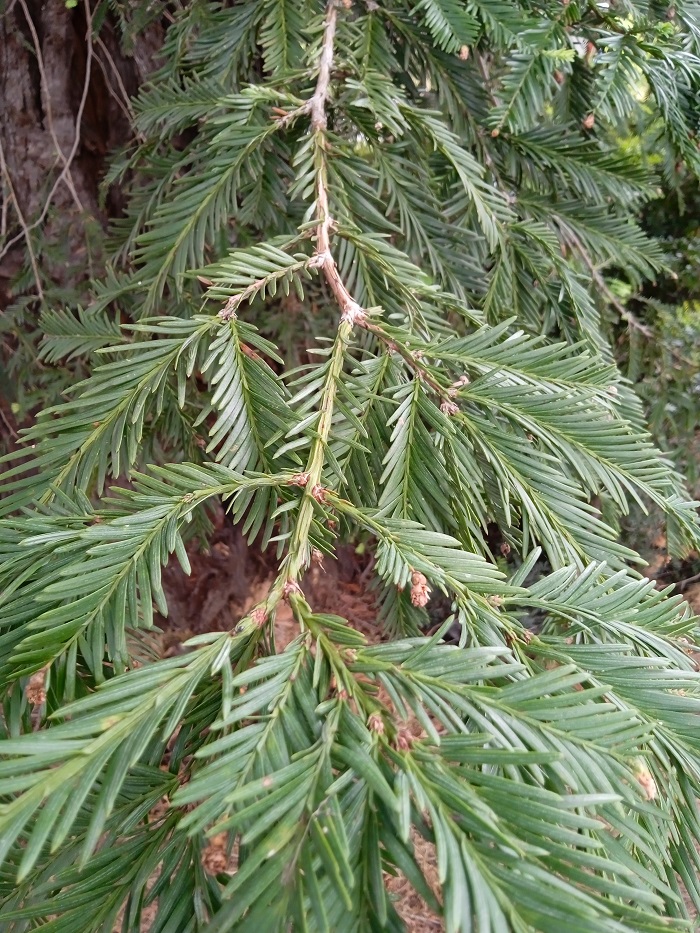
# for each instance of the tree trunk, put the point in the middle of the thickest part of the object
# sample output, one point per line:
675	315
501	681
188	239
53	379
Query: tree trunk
65	89
64	107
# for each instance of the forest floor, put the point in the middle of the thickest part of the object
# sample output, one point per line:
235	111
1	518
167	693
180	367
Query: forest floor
226	582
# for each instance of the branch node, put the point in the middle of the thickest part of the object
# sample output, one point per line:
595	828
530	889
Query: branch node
449	408
228	312
259	616
375	723
290	588
354	314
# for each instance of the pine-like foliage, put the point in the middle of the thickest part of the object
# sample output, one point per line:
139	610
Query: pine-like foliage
433	190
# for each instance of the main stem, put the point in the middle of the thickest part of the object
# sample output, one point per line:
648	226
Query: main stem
351	313
350	309
299	545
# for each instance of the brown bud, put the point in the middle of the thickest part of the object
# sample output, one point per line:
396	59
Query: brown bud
460	383
228	312
495	133
588	122
259	615
449	408
299	479
213	858
420	591
290	587
645	780
375	723
404	739
464	53
36	688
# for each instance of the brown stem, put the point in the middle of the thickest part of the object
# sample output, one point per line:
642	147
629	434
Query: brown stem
319	119
350	309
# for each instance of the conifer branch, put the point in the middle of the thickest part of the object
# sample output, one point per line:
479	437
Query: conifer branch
523	755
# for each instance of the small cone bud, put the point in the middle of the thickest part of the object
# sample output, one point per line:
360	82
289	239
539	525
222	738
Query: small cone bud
36	688
420	591
646	781
376	723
